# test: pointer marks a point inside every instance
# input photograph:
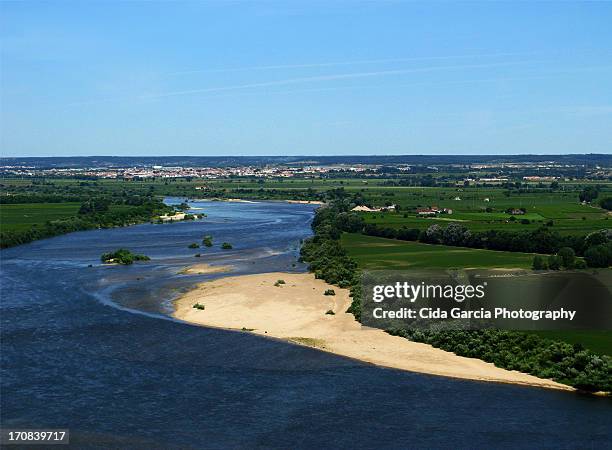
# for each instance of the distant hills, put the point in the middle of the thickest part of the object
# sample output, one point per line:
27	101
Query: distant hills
226	161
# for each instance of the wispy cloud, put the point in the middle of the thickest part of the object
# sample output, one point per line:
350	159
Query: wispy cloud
250	88
351	63
333	77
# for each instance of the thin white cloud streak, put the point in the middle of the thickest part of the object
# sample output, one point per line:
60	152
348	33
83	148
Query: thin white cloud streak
335	88
335	77
291	81
350	63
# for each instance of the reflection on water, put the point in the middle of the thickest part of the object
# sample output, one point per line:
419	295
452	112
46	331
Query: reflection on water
87	348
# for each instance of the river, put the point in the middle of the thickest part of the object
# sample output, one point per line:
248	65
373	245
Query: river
92	348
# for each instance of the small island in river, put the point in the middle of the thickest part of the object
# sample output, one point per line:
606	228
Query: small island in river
122	256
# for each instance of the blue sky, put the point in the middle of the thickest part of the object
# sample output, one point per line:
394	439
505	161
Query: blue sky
299	78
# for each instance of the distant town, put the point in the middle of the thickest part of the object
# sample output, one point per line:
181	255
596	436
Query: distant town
472	172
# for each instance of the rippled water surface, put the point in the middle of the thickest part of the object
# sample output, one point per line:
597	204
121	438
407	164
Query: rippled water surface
94	350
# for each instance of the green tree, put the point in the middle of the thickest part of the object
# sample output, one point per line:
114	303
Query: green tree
454	234
598	256
539	263
554	262
589	194
568	257
606	203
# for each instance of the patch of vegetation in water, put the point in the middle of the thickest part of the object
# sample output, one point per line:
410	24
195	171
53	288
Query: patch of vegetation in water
122	256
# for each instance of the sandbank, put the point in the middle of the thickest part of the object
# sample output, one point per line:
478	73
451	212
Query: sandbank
200	269
297	311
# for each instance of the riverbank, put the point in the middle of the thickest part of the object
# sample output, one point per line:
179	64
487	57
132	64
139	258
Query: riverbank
297	310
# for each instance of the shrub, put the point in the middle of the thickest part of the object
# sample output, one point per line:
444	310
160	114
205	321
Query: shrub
199	306
539	263
207	241
193	245
329	292
568	257
197	255
329	312
606	203
580	264
598	256
226	246
279	282
554	262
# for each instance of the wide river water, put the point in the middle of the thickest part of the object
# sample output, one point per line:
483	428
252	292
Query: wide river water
93	349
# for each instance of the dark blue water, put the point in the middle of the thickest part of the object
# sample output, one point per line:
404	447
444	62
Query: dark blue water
92	349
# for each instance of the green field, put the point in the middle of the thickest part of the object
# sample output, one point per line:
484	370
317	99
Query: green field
23	216
597	341
380	253
562	208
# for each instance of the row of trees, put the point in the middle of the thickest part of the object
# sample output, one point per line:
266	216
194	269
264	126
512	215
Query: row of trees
566	363
542	240
13	199
560	361
594	247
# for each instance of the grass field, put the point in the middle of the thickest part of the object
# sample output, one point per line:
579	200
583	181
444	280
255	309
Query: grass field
597	341
380	253
23	216
562	208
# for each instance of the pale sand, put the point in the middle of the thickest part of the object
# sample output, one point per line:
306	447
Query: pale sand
306	202
199	269
296	311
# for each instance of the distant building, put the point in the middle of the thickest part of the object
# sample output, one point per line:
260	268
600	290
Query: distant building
433	211
535	178
172	218
427	212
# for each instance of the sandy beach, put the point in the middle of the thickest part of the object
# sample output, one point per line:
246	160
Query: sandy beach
305	202
299	312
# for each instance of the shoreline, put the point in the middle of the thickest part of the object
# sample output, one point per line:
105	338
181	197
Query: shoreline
297	311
